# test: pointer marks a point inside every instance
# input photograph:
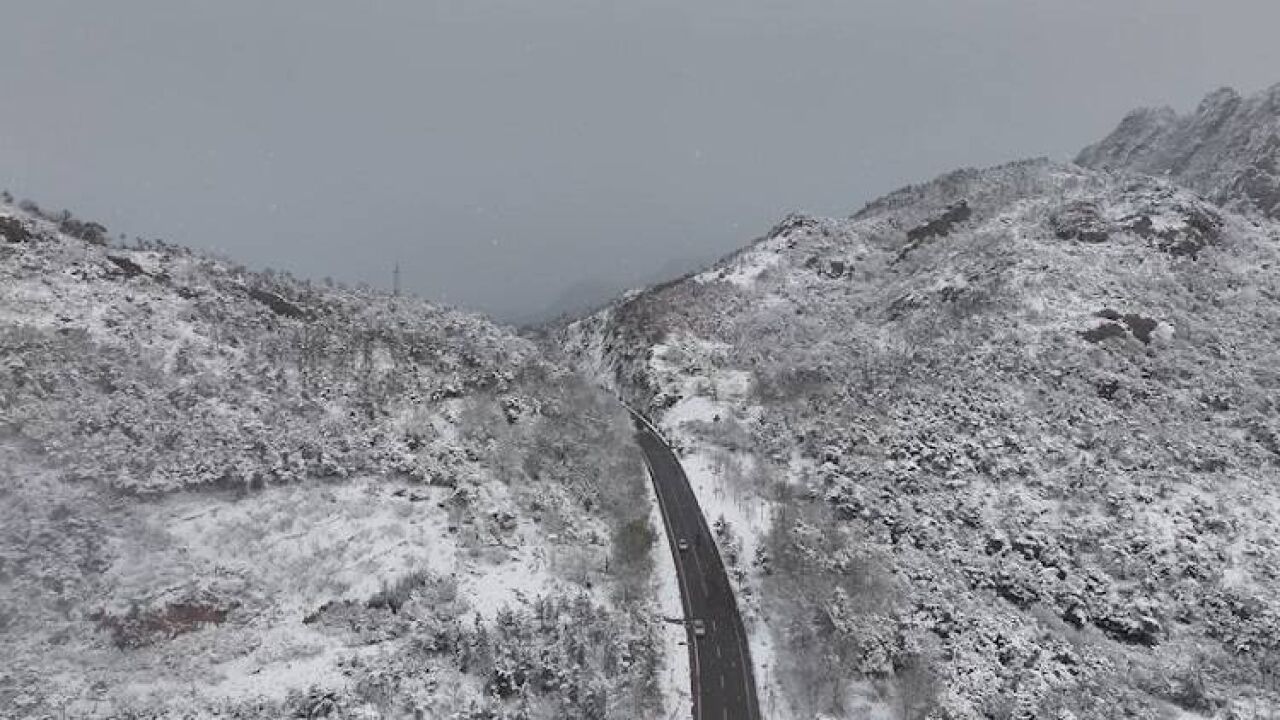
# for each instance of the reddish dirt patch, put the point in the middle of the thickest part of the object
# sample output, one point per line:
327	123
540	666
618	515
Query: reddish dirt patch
139	628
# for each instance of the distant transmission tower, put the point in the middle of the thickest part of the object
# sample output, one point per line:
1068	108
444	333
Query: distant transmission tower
395	281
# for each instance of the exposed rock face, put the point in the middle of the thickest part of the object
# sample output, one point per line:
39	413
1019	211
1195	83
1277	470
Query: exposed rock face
1228	149
1180	229
937	227
13	230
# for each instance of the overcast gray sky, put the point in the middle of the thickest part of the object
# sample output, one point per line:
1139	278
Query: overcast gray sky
506	152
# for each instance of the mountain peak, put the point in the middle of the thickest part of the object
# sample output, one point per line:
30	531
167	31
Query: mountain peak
1223	97
1227	150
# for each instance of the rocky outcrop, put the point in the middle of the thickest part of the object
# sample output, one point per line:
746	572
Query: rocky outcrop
1228	149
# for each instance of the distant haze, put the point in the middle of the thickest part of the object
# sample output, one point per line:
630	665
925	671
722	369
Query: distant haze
515	155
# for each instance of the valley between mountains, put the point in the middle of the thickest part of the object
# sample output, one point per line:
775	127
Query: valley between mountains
1004	444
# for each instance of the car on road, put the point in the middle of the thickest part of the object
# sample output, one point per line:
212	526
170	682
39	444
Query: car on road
699	627
682	544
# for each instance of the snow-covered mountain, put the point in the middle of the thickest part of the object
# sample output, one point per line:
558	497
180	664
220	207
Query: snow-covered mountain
1228	149
1005	444
237	494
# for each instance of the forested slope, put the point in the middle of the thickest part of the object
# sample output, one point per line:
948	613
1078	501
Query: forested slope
1004	444
228	493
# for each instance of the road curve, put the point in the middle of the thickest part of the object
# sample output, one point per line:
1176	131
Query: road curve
720	660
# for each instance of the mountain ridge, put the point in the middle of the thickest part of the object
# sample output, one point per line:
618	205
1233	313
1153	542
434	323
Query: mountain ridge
1007	424
1228	148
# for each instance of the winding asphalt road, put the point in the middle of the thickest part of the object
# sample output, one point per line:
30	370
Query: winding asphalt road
723	686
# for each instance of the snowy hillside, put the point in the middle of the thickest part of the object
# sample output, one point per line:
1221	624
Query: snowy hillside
233	494
1228	149
1005	445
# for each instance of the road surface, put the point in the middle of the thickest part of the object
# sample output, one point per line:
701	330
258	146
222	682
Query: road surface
723	686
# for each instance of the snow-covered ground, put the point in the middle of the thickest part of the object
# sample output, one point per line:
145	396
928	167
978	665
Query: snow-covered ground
745	267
